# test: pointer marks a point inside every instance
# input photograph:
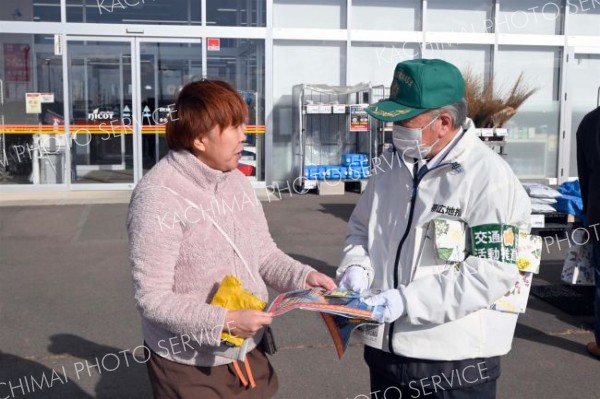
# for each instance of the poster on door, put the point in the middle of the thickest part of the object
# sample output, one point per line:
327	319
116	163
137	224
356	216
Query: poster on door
359	119
16	62
33	103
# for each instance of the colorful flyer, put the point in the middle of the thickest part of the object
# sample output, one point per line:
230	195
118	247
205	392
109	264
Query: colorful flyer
342	311
359	119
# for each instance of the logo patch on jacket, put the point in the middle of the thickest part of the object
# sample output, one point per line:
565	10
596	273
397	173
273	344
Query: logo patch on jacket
456	168
446	210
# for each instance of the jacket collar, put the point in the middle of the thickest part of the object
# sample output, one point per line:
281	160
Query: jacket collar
197	171
464	145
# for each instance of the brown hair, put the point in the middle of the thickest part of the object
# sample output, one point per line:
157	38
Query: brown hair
200	107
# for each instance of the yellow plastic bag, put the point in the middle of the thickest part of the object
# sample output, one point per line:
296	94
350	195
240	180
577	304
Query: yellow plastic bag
231	295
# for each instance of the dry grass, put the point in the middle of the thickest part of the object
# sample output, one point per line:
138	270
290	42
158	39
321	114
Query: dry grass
489	107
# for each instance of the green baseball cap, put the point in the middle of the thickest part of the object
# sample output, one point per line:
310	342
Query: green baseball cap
418	86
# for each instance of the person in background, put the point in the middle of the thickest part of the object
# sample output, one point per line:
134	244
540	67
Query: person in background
438	325
588	166
194	219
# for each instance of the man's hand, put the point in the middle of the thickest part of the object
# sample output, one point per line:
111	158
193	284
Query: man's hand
316	279
355	278
393	302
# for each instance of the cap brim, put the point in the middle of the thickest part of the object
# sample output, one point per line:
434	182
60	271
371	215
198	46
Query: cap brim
391	111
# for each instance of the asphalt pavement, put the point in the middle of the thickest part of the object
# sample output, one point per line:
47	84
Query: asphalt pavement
69	327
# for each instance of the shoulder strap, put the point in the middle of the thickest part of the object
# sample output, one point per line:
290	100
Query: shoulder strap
229	240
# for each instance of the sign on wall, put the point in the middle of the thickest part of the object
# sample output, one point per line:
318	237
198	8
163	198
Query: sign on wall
213	44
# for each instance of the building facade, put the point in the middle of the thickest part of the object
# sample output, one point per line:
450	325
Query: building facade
88	85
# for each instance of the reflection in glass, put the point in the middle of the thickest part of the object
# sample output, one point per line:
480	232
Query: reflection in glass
100	101
584	79
235	12
477	58
584	18
173	12
531	16
165	68
32	149
324	14
459	16
312	62
30	10
532	143
386	14
375	62
241	62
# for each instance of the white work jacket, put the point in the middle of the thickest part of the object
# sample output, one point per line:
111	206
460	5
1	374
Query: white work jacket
447	315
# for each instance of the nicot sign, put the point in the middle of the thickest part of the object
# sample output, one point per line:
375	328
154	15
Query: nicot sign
96	115
213	44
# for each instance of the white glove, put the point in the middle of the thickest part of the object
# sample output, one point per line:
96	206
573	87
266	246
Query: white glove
355	278
393	301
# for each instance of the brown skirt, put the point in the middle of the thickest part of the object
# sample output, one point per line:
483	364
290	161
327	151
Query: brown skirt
172	380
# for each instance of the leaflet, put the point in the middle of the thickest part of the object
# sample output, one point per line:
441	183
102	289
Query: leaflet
342	311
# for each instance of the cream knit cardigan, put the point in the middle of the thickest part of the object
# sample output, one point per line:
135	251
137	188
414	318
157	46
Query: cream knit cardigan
179	257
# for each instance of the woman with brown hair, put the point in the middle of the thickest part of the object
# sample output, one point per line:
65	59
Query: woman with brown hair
194	219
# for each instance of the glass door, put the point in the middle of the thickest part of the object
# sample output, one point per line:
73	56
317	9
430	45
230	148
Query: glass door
241	62
101	103
165	67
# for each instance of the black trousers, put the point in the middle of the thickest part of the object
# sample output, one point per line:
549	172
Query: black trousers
396	377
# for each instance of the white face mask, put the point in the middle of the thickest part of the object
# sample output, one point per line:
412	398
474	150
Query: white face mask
408	141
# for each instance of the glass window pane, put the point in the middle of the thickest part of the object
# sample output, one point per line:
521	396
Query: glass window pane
386	14
459	16
584	89
100	89
32	148
164	69
180	12
531	16
30	10
375	62
477	58
532	143
235	12
241	62
584	17
302	14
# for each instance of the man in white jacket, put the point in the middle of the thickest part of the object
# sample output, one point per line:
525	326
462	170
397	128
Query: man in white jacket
440	338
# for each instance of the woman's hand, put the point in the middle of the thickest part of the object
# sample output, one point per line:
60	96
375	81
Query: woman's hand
316	279
244	323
